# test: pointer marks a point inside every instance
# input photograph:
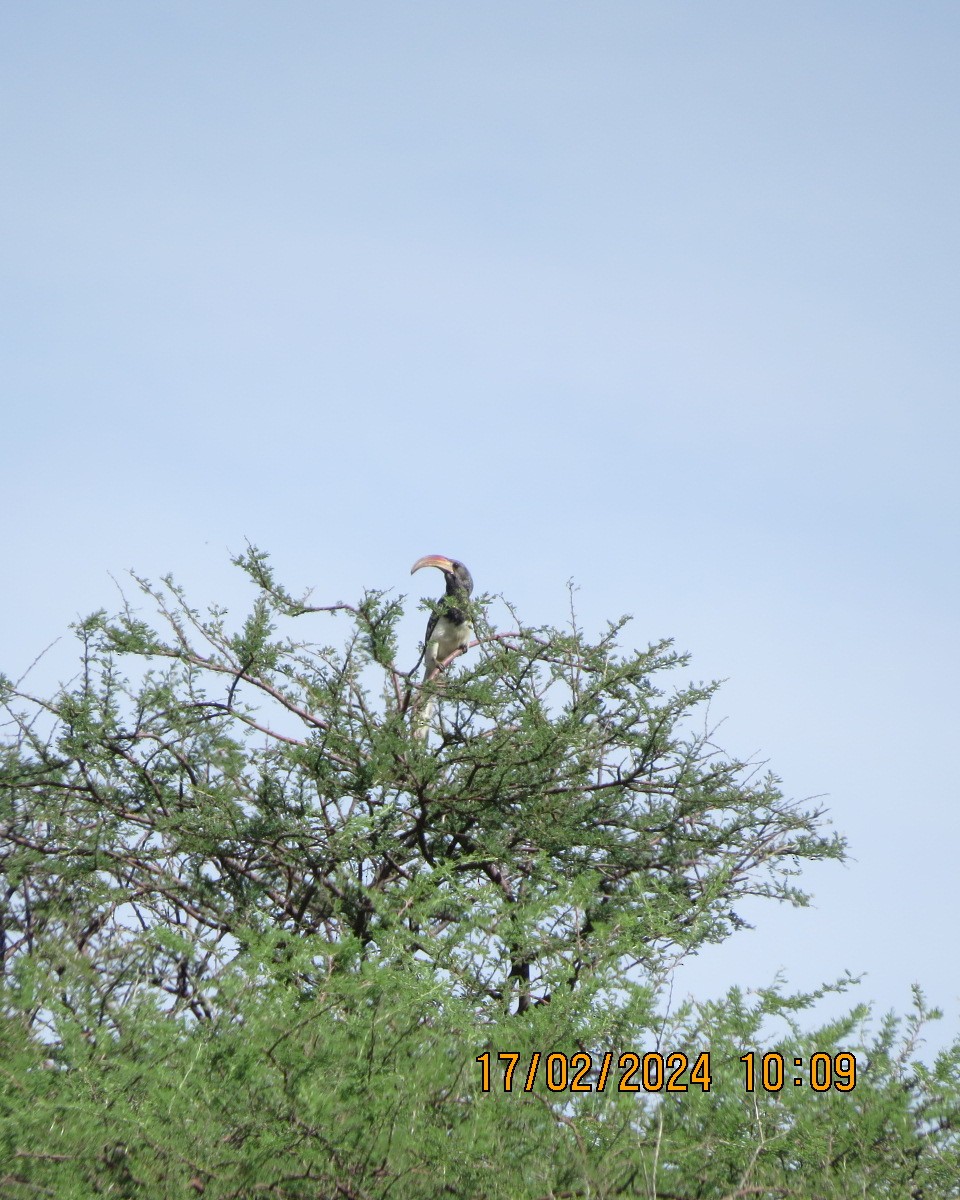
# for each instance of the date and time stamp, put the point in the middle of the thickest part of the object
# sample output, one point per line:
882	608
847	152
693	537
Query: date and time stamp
656	1072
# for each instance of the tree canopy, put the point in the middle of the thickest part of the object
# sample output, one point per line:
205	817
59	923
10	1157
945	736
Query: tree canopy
259	939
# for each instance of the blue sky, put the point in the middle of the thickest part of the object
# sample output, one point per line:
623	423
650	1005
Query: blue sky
661	298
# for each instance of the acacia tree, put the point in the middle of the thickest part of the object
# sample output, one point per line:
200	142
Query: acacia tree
226	858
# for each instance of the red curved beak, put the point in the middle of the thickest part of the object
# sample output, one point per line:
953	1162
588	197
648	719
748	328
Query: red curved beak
432	560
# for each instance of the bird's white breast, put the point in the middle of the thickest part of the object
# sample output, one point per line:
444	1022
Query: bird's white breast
446	637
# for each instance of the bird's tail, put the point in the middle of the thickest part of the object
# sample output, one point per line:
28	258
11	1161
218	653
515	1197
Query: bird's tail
424	715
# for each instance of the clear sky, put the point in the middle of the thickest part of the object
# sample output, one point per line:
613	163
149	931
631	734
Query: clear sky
664	298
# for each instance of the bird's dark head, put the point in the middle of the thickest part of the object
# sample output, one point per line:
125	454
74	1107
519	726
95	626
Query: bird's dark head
459	580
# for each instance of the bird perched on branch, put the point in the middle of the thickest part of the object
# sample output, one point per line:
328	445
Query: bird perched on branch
449	629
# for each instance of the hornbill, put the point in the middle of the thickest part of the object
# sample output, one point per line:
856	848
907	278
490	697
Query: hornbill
449	628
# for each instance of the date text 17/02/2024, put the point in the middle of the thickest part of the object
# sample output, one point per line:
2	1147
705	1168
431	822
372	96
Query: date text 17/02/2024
655	1072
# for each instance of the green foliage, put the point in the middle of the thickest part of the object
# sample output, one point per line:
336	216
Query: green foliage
255	932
